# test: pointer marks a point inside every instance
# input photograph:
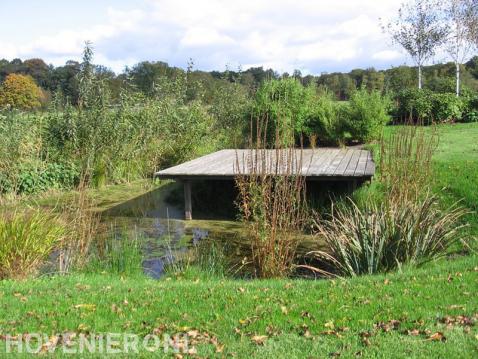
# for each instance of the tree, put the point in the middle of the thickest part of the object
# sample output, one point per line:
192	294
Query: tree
459	14
419	30
20	92
472	24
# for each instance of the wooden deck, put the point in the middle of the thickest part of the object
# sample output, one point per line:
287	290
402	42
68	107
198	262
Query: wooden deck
316	164
324	164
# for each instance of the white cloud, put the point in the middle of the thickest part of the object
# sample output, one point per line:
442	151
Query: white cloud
312	36
387	55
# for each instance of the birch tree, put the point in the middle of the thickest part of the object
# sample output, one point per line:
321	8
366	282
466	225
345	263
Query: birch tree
419	29
460	15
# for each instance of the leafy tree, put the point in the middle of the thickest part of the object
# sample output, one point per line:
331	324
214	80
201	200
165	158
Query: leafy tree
419	30
20	92
459	14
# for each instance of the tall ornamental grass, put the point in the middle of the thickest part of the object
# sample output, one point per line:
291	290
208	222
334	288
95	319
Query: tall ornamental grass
380	238
406	227
26	241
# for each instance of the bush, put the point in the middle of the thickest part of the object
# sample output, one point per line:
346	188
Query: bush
286	105
53	175
325	122
447	107
26	240
471	108
380	238
426	106
367	113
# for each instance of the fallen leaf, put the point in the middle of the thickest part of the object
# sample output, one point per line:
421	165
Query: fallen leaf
284	310
438	337
412	332
259	339
193	333
86	306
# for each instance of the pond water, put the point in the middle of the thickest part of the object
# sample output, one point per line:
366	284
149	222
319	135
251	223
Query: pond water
156	217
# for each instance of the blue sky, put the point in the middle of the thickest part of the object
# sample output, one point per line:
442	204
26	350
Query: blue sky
311	35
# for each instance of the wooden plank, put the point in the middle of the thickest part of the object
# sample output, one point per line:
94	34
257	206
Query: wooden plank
344	163
321	166
350	170
370	168
362	163
193	165
330	170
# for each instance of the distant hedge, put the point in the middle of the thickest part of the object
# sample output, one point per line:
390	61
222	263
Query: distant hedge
425	106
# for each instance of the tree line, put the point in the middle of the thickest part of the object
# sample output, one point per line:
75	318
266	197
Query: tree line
146	77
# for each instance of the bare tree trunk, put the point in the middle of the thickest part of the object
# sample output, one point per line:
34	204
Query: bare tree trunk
420	77
457	79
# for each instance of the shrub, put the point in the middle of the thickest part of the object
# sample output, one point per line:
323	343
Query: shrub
286	105
53	175
470	108
367	113
414	105
447	107
424	106
380	238
26	240
325	121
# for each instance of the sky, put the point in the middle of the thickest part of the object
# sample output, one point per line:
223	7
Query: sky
314	36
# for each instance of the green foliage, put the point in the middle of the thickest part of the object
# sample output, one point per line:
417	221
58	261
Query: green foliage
26	239
53	175
120	253
229	108
380	238
367	114
326	121
425	106
285	105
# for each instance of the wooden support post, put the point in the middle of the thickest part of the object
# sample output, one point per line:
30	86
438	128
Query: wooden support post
188	215
352	185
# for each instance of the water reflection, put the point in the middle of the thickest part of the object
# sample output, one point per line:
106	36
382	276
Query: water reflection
163	233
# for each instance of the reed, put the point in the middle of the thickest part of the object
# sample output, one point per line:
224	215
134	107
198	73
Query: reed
406	162
271	200
83	230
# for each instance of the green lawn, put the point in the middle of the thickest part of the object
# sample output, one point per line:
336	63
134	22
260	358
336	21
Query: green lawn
456	168
394	315
299	317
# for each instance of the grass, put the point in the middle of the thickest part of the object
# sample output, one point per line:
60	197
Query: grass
456	168
297	316
292	318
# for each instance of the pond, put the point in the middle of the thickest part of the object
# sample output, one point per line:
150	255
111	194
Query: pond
156	219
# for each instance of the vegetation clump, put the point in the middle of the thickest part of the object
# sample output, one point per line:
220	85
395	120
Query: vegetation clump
26	241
